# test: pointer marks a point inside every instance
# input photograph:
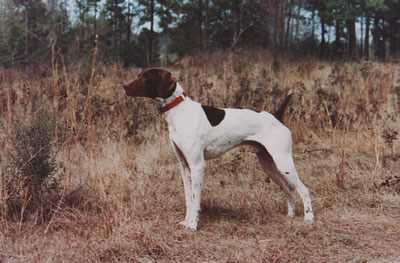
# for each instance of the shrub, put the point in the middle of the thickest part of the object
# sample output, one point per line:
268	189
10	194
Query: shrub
30	180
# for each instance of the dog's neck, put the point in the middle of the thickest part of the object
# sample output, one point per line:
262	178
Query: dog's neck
165	101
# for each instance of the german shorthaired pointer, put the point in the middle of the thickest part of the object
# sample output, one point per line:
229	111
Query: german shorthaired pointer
198	133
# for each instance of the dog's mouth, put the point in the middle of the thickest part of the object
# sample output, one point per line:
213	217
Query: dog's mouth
127	90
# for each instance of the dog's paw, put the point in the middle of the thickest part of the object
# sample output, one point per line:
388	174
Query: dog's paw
182	223
291	214
309	220
188	226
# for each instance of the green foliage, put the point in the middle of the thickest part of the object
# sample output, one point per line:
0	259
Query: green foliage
141	32
376	5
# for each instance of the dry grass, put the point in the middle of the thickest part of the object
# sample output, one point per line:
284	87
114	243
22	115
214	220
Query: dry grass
122	193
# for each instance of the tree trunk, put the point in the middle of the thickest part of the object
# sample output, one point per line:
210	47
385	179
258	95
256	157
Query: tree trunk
114	29
361	48
237	24
129	24
329	34
366	39
323	42
205	43
275	28
392	37
376	36
200	24
313	26
26	32
298	20
351	28
337	36
95	23
150	62
288	28
282	24
384	39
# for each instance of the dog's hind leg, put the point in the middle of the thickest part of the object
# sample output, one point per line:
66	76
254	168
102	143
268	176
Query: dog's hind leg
269	168
279	145
286	167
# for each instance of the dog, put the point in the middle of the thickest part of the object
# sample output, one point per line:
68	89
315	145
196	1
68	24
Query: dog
198	133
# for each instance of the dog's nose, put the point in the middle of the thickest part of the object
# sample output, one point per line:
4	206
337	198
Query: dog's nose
124	87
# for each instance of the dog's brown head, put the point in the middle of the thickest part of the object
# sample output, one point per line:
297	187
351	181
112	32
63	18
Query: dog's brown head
152	83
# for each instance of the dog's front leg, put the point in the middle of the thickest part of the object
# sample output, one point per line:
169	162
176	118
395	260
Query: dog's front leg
196	178
187	184
191	162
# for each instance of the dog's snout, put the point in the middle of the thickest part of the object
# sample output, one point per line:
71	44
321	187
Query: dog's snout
128	88
124	86
133	89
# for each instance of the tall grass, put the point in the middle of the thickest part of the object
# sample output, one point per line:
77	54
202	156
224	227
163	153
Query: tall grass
121	194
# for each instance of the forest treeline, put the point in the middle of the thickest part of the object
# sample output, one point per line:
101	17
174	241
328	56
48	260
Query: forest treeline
152	32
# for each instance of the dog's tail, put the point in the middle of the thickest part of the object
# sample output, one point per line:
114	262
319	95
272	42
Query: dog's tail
280	111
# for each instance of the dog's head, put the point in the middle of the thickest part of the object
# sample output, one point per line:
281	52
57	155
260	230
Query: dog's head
152	83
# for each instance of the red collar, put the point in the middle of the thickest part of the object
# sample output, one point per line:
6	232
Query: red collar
173	103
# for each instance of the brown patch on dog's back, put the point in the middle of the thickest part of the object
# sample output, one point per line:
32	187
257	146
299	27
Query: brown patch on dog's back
214	115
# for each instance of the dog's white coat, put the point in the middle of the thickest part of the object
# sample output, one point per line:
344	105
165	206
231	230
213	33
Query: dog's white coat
197	141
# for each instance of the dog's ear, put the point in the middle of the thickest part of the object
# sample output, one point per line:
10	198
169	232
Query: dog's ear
166	85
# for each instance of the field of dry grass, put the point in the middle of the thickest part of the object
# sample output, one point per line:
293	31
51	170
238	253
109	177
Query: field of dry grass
120	195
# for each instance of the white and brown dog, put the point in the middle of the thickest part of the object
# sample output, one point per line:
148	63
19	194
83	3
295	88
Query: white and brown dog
198	133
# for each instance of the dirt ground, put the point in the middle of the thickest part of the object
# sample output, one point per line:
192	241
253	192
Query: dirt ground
122	195
243	217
